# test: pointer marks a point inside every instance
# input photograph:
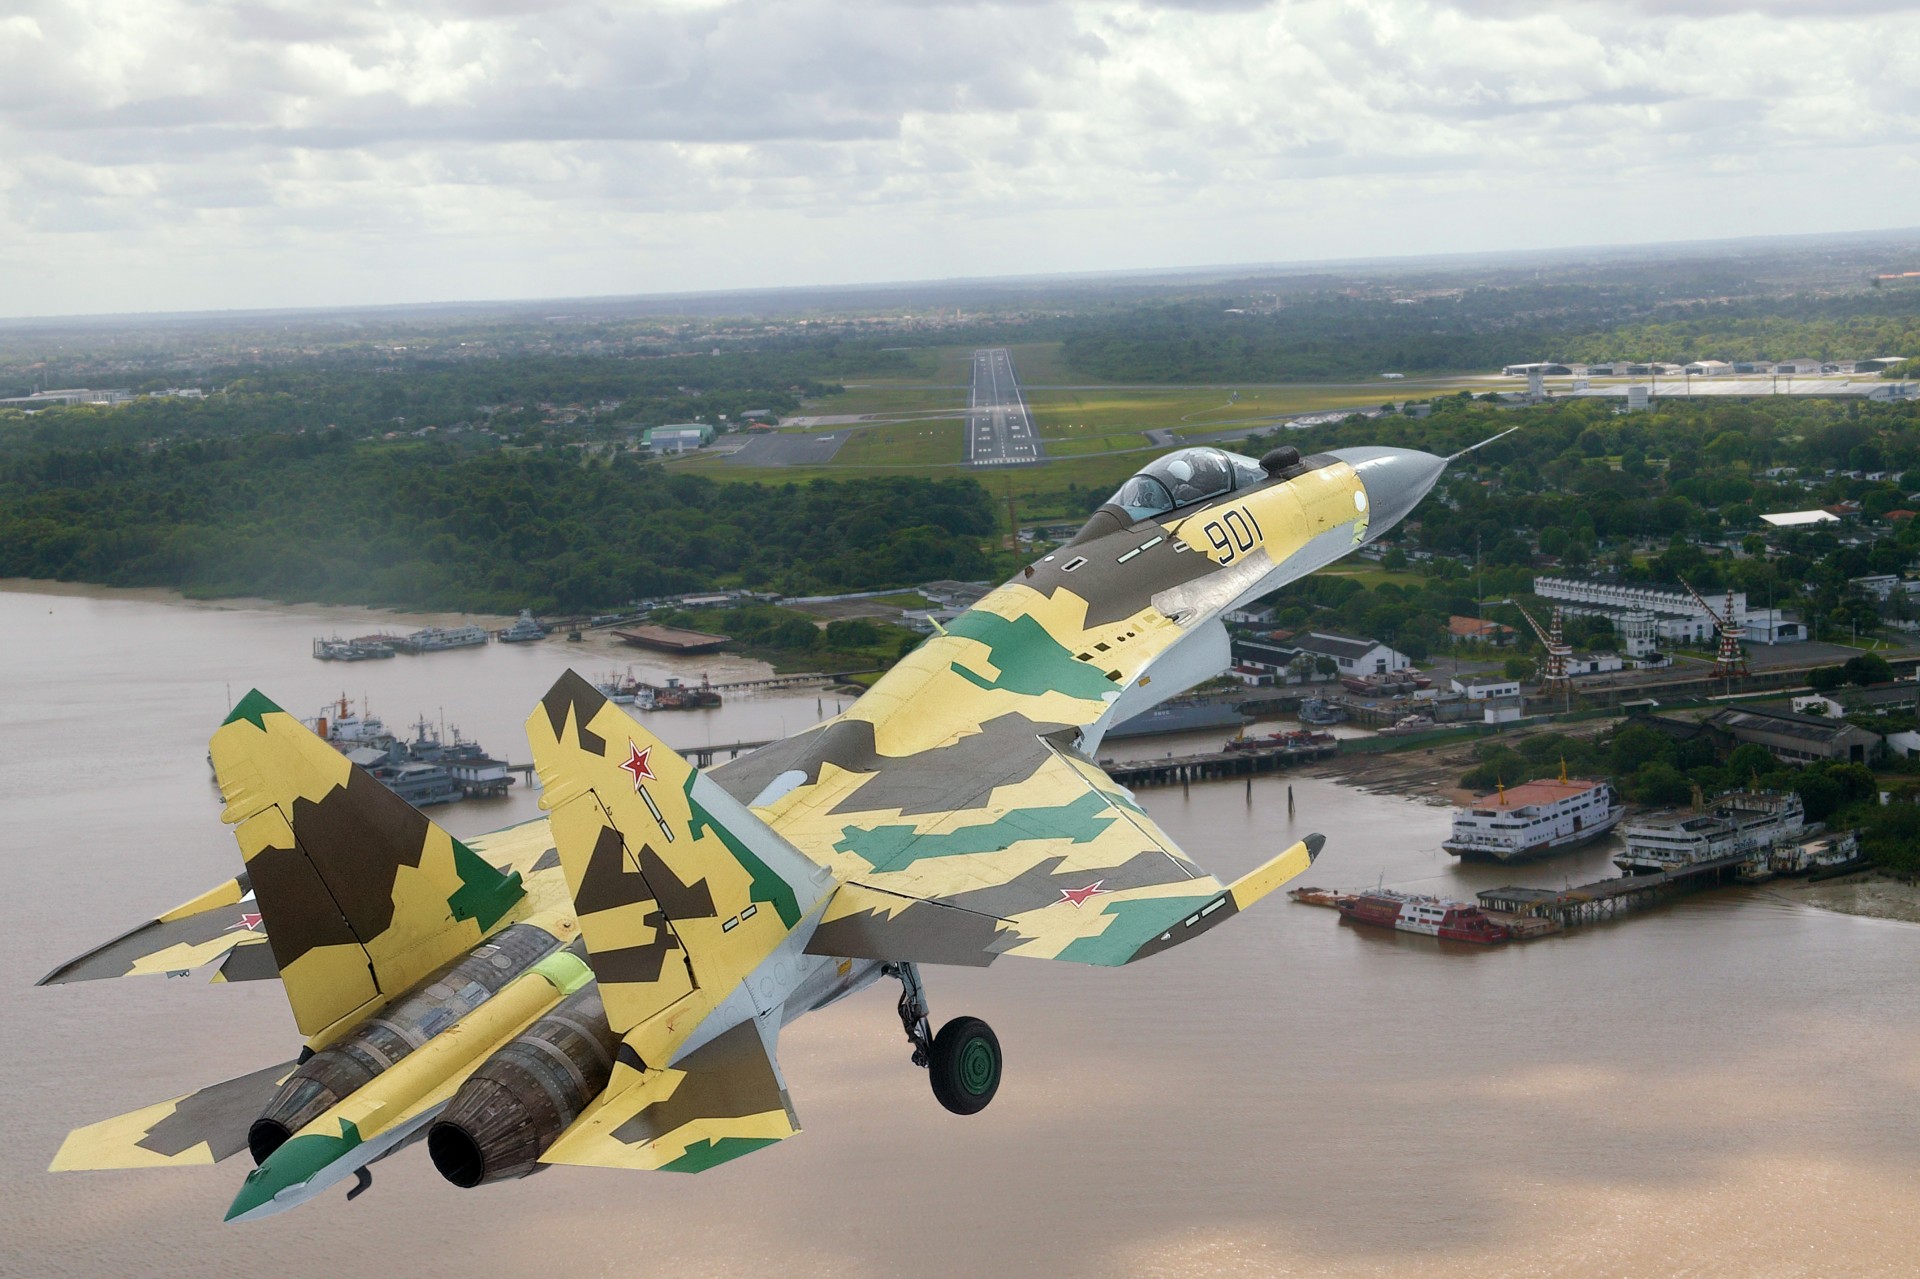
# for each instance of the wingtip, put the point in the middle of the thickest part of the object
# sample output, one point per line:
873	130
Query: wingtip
1314	842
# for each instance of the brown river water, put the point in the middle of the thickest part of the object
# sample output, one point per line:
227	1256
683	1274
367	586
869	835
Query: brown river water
1726	1086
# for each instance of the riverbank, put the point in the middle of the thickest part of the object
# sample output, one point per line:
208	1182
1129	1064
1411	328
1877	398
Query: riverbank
1872	894
345	616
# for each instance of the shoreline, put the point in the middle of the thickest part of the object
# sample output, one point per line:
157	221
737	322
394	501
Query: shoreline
1870	894
346	613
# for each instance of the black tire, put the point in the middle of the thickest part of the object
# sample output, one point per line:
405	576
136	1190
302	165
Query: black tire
965	1065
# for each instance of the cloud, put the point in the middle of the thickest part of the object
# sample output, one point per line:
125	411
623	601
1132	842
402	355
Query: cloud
225	154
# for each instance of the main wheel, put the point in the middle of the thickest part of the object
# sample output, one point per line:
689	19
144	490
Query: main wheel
965	1065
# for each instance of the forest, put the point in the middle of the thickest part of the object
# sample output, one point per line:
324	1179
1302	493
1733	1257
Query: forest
323	517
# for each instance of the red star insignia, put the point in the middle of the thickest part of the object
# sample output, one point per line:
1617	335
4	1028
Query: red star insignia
249	922
637	764
1078	895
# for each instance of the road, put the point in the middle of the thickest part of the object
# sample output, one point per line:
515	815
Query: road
1000	430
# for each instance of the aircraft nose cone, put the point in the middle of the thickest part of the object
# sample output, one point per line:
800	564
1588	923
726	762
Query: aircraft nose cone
1395	480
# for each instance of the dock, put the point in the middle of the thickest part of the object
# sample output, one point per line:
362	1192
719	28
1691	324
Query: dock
701	756
671	639
1608	898
1179	770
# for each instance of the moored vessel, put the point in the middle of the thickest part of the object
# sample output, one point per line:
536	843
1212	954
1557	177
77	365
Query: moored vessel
1430	916
1179	717
1533	819
525	629
1735	823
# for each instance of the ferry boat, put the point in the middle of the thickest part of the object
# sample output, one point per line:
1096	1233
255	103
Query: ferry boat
1742	821
1431	916
1533	819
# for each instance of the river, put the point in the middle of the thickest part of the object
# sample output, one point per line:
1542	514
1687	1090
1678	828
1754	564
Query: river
1727	1085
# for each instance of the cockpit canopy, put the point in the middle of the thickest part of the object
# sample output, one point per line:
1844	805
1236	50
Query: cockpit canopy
1183	478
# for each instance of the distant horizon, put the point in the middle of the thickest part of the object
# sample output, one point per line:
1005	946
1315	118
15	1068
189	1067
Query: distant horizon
1199	273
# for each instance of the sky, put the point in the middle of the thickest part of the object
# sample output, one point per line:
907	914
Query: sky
189	155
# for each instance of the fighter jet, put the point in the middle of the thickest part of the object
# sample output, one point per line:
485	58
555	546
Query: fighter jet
606	985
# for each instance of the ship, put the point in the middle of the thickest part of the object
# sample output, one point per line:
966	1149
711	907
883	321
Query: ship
1318	710
429	769
525	629
435	638
366	648
1736	823
1410	913
675	696
1415	723
625	690
1180	717
1533	819
1296	740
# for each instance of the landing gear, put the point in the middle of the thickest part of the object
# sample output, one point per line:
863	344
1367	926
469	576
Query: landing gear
965	1070
963	1061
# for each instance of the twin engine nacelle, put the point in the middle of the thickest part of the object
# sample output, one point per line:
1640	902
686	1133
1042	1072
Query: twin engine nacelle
519	1101
354	1060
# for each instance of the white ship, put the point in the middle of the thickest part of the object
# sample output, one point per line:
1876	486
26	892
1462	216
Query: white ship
1741	821
1533	819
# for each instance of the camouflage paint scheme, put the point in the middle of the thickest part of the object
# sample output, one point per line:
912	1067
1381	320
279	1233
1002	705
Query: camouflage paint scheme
950	816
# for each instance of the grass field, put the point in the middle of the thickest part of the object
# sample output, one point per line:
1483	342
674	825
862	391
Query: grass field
904	444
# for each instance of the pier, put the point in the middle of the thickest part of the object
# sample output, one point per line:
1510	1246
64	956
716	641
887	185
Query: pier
1179	770
700	756
1608	898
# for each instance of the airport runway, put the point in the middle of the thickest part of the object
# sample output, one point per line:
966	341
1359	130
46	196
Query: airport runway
1000	430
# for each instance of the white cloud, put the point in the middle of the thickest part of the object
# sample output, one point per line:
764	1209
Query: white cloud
162	154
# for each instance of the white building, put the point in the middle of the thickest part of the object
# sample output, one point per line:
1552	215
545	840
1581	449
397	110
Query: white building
1678	618
1482	688
1352	656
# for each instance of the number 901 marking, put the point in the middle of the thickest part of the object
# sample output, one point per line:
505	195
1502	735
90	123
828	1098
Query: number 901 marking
1233	535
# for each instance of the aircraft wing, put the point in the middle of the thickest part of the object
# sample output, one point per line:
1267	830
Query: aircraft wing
1050	858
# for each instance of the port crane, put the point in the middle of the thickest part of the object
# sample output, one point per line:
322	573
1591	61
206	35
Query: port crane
1731	659
1554	671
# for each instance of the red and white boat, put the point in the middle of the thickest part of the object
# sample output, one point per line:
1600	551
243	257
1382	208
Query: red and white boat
1432	916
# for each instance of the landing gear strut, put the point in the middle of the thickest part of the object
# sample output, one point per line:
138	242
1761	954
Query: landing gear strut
963	1061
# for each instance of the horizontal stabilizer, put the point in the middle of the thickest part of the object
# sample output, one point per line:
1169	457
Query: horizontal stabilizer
202	1127
721	1101
214	924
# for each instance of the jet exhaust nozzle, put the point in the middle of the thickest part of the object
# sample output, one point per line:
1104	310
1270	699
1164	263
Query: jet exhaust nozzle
519	1101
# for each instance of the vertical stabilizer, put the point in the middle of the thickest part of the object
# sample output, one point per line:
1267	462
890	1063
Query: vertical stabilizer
679	888
361	895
